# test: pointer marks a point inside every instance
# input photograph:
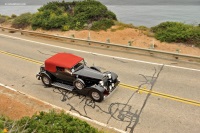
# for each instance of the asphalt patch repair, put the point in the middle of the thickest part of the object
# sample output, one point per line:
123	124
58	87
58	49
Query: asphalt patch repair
16	105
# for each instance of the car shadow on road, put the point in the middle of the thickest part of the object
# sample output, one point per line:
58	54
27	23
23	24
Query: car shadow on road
122	112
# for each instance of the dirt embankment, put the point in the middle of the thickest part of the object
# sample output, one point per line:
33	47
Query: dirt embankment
123	37
138	38
16	105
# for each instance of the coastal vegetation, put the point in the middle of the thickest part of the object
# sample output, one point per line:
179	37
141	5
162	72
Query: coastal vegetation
3	18
50	122
92	15
21	21
74	15
177	32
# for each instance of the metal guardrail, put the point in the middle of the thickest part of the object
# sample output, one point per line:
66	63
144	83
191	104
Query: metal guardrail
117	47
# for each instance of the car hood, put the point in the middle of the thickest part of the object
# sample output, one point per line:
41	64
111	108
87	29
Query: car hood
90	73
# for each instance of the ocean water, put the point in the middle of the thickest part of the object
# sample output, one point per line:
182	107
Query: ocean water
152	15
146	15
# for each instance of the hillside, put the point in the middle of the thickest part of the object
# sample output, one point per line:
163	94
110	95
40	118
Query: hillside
139	38
91	19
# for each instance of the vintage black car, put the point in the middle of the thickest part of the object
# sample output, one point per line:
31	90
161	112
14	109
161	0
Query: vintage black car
70	72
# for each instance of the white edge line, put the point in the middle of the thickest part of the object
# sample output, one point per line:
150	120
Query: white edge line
66	111
185	68
7	87
102	54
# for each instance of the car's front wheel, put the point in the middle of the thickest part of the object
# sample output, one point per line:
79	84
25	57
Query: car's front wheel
46	80
96	95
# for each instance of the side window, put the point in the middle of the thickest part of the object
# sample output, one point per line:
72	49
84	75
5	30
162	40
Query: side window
60	69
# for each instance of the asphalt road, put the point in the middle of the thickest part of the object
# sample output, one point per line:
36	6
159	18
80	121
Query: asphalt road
169	103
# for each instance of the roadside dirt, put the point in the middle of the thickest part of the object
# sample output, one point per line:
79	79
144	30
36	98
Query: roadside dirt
122	37
16	105
138	38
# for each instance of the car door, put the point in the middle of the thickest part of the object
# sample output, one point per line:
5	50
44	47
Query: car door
64	74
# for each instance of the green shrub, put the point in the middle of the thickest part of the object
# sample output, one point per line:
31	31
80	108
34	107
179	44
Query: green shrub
70	15
5	123
65	27
2	19
56	6
144	28
177	32
103	24
13	16
93	10
22	21
49	20
1	124
110	15
123	25
51	122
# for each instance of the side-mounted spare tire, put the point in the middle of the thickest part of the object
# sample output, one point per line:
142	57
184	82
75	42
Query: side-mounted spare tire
96	95
79	84
46	80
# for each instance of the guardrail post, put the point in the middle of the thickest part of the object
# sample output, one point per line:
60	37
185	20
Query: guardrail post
20	30
108	40
89	41
2	28
178	50
130	43
72	36
152	46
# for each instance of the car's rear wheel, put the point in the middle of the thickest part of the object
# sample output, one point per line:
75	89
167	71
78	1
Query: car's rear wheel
46	80
96	95
79	84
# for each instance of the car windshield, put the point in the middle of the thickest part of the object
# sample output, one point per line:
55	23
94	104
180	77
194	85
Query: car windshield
79	65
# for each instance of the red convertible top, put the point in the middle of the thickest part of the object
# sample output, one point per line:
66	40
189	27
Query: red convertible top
65	60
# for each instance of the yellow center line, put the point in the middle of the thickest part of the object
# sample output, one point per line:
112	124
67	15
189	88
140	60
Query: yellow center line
167	96
21	57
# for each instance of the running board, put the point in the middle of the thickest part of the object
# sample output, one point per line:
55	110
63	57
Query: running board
63	86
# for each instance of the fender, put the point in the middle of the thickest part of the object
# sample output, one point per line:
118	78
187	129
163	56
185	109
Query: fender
98	87
95	68
113	75
42	73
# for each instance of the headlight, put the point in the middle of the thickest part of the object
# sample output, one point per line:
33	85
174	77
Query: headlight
101	83
110	87
41	69
113	85
109	76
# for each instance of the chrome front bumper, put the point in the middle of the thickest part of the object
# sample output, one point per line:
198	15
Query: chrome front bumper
112	91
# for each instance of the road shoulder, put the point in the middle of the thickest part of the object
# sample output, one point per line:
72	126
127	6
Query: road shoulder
16	105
